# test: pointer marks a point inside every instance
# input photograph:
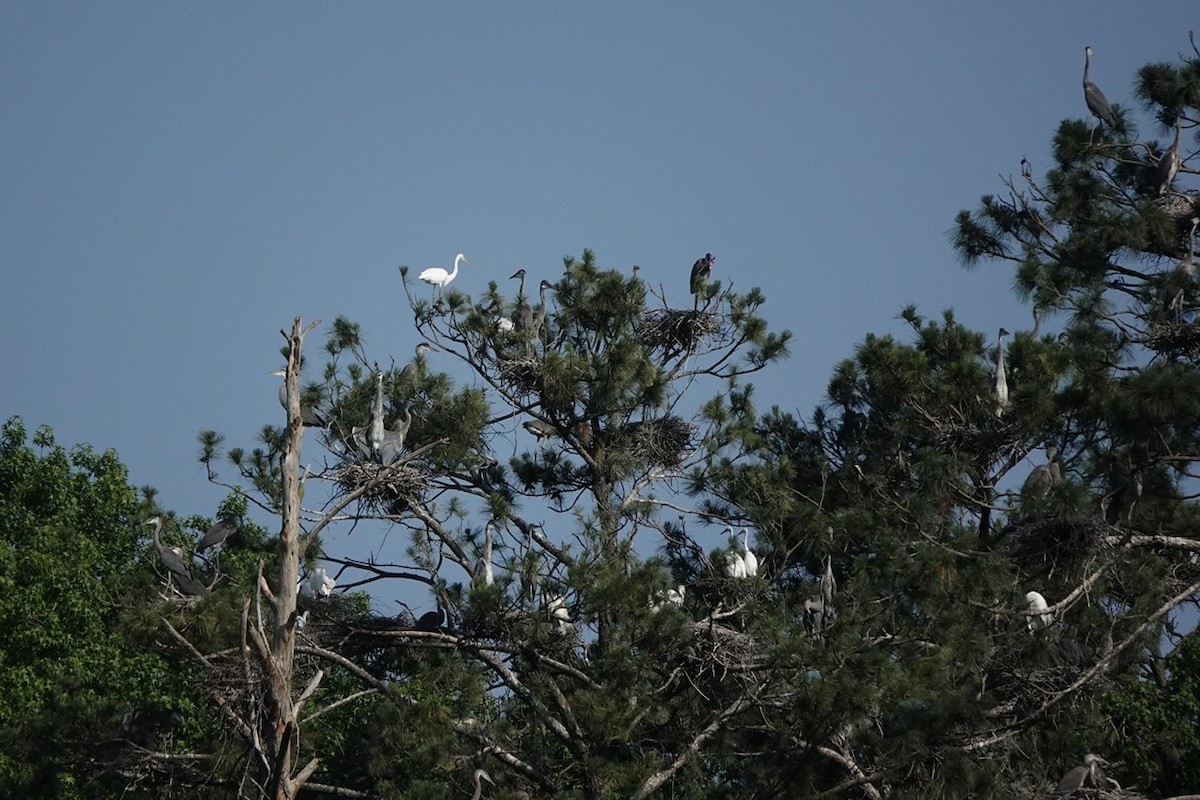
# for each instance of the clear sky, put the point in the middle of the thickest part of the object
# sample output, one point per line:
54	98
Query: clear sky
178	181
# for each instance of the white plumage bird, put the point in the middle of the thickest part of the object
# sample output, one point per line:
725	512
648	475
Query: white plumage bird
749	560
439	277
1038	605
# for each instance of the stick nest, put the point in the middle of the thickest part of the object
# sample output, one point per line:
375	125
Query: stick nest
1180	339
671	329
522	374
401	484
660	441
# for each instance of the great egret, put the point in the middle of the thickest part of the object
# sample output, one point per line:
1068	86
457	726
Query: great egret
438	275
320	583
1097	103
559	615
700	272
217	534
483	567
735	566
749	560
672	597
504	325
1038	605
1168	163
1000	377
1043	476
1087	776
481	775
308	415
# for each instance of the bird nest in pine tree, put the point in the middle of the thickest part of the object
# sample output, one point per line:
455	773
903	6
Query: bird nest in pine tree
1060	540
662	440
522	374
677	330
1179	339
388	485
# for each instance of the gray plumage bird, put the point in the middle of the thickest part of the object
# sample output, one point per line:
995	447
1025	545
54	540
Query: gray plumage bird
172	558
1043	476
1000	376
540	430
393	438
1097	103
483	567
701	271
375	423
217	534
537	317
1168	163
1087	776
309	416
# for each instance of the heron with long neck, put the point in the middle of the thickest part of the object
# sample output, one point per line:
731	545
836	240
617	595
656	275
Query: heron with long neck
1000	376
483	567
438	276
481	775
375	425
749	560
1097	103
1168	164
537	317
172	559
1087	776
308	415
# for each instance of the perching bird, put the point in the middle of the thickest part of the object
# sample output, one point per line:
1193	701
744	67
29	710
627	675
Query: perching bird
700	272
483	567
828	583
320	583
671	597
536	317
557	609
814	614
141	727
1043	476
735	566
308	415
1168	163
749	560
1097	103
1087	776
393	438
540	430
504	325
1187	264
1000	376
438	275
375	423
481	775
1039	606
172	559
217	534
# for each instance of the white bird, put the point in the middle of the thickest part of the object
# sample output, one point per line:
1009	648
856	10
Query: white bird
301	621
481	775
1000	377
1039	606
438	275
375	424
749	560
557	608
828	583
505	325
735	567
672	597
483	567
320	583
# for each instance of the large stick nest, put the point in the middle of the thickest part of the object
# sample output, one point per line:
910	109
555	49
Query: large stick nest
663	440
1181	339
676	330
524	374
402	483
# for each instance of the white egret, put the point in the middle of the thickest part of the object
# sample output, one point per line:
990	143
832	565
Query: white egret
1000	376
483	567
557	608
749	560
320	583
438	275
1038	605
481	775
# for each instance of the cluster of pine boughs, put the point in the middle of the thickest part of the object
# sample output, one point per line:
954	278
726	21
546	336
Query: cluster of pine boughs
931	616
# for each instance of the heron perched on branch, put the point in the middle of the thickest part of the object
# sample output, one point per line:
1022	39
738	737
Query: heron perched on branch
1097	103
1000	376
412	370
483	567
1087	776
217	534
172	559
438	276
1168	163
1038	605
308	415
701	270
1043	476
748	558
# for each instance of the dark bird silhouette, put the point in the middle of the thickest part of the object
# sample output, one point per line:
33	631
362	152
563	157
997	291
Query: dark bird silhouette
701	270
432	620
217	534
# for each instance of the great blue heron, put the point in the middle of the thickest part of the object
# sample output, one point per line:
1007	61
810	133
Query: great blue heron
1187	264
828	583
375	424
217	534
393	438
1097	103
438	275
308	415
700	272
540	430
432	620
815	617
1038	605
1168	163
412	370
481	775
749	560
142	726
1043	476
483	567
172	559
1087	776
537	317
1000	376
319	584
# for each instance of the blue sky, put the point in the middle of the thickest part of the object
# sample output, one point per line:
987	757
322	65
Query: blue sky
178	181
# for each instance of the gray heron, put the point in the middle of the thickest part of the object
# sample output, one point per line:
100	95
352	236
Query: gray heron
412	370
308	415
217	534
1000	376
1168	163
1097	103
393	438
540	430
432	620
1087	776
172	559
375	424
828	583
437	276
700	272
537	316
1043	476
